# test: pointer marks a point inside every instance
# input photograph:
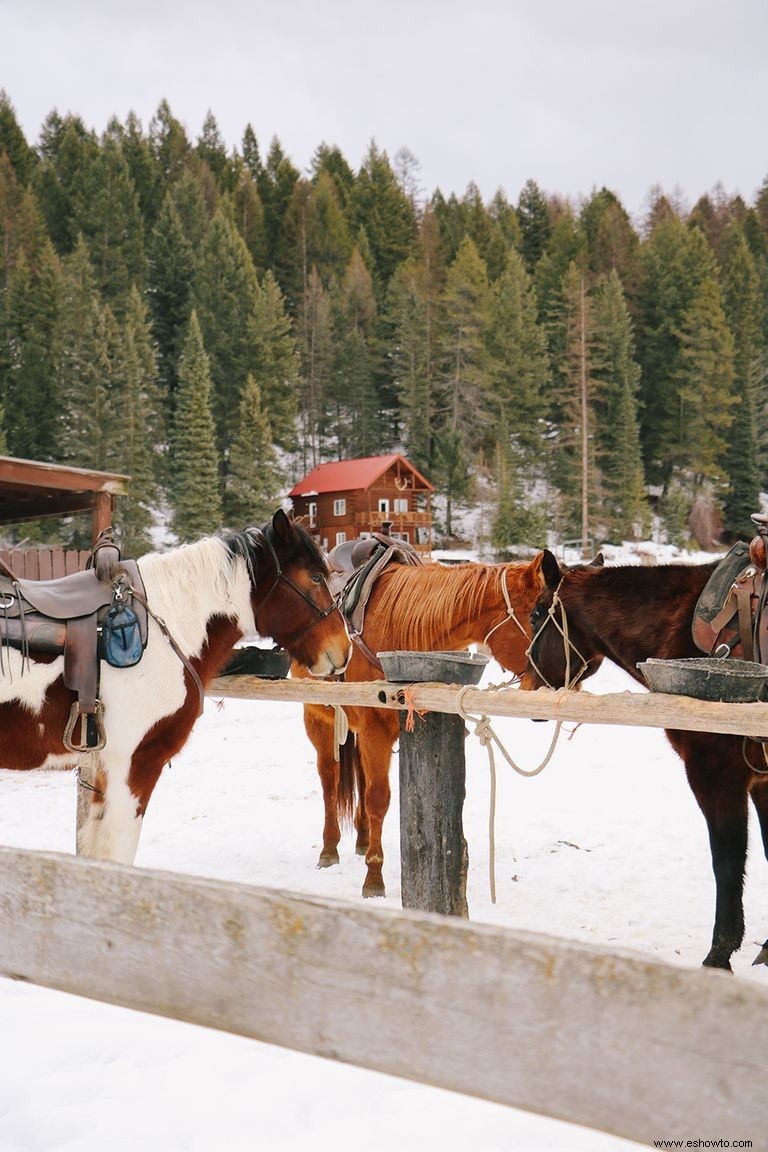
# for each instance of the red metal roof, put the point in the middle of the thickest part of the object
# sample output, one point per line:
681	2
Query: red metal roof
351	475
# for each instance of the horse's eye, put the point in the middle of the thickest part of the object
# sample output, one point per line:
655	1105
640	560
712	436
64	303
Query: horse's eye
317	578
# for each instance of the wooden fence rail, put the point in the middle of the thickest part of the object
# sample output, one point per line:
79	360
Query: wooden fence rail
620	1043
647	710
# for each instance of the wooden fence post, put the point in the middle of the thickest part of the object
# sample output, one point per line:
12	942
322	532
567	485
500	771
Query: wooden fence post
433	851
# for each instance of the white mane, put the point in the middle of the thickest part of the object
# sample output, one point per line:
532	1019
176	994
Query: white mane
194	582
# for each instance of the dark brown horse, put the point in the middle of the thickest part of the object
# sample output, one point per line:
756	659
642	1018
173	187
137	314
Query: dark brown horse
630	614
427	608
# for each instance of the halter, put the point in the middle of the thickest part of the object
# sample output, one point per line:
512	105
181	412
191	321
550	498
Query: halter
567	643
320	614
510	610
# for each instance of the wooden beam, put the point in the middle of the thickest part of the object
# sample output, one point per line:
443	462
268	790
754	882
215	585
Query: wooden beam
644	709
40	506
610	1040
36	474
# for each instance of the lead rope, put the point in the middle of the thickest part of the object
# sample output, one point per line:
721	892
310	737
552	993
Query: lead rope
510	609
488	737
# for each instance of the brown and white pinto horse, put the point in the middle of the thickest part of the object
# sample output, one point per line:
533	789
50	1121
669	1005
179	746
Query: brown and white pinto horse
426	608
208	594
631	614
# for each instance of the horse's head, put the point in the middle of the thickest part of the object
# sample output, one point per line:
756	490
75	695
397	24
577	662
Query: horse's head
561	653
291	599
519	588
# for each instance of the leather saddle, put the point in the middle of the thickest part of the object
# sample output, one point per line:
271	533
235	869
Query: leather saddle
66	616
355	567
730	617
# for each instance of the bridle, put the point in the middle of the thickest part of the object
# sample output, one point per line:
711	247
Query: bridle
265	538
568	644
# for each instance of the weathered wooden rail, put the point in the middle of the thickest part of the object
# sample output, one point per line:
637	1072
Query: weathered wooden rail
609	1040
647	710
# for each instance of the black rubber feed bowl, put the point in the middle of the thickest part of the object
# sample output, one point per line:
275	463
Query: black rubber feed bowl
707	678
267	663
438	667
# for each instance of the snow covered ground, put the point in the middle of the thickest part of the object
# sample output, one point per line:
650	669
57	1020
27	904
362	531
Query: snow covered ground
606	845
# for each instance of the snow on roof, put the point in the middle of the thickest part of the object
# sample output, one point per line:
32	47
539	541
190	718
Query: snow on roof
349	475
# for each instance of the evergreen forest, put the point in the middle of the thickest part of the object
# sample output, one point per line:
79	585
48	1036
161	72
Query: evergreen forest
215	322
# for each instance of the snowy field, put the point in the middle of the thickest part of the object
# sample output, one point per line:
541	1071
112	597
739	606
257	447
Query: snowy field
605	846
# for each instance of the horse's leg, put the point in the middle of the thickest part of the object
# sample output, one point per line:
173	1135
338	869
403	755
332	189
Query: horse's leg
362	823
375	757
759	796
318	722
719	783
111	829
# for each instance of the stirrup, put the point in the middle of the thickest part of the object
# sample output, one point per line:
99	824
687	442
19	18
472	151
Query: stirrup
74	716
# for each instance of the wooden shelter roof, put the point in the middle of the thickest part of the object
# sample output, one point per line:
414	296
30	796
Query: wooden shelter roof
30	490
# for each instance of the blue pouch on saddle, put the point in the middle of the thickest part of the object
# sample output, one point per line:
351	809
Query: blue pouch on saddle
121	637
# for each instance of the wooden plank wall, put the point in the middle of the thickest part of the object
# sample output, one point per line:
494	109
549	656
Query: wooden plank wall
610	1040
44	563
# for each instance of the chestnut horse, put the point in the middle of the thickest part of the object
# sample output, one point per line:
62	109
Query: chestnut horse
631	614
207	595
425	608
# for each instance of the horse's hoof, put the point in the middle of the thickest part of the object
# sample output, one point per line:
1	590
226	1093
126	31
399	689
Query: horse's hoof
723	964
328	859
373	889
762	956
361	848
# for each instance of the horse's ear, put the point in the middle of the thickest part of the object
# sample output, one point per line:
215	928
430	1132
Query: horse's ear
597	561
550	569
283	527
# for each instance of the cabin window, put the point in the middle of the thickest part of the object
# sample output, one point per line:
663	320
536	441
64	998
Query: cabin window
312	513
401	536
341	537
339	507
400	505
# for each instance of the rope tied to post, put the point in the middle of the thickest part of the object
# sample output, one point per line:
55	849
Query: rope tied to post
485	733
407	695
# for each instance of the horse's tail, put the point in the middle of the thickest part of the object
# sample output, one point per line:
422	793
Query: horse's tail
350	773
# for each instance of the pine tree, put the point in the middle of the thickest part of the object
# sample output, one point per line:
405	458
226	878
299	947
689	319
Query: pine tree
315	234
171	269
450	463
575	469
276	366
248	215
169	144
353	403
13	142
195	477
254	482
378	204
28	386
227	299
704	378
674	263
516	520
275	182
314	330
85	363
535	225
466	390
409	316
518	345
742	301
3	437
132	426
624	503
143	169
213	151
66	151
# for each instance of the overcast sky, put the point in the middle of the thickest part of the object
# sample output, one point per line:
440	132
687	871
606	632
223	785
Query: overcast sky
574	94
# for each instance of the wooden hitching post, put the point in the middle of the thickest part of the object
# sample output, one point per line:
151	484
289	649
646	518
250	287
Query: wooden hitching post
433	851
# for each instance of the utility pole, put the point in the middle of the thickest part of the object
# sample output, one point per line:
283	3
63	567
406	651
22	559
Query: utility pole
584	420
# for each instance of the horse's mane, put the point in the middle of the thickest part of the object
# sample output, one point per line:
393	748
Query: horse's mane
418	605
644	580
189	584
